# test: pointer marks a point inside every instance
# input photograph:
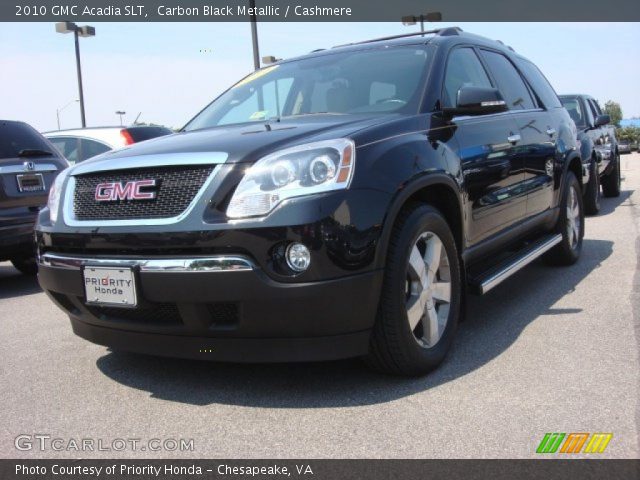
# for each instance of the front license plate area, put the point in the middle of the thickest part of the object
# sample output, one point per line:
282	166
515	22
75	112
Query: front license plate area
113	286
30	182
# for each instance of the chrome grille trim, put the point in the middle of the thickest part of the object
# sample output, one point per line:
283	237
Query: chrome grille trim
215	263
143	161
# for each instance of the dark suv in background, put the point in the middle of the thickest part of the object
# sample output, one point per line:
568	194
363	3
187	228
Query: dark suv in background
334	205
28	167
598	149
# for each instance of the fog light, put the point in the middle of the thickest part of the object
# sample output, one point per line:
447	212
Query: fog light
298	257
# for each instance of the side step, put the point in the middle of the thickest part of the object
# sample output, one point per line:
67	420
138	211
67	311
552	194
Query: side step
495	275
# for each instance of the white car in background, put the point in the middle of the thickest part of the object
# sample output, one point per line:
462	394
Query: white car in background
80	144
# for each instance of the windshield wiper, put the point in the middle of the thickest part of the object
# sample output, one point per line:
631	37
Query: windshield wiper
313	113
33	152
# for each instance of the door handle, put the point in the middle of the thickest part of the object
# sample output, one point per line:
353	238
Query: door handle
513	138
551	131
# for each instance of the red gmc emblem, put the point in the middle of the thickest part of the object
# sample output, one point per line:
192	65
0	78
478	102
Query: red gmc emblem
113	191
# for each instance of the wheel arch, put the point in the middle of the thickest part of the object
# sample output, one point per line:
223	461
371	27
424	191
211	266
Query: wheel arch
438	190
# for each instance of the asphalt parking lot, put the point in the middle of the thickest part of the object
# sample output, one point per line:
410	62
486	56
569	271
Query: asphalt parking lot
550	350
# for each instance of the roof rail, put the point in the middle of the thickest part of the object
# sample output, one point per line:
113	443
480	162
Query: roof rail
507	46
443	32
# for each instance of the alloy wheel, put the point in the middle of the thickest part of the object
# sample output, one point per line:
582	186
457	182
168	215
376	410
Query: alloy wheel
428	289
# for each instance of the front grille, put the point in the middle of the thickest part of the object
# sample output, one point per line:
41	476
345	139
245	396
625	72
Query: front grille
176	187
159	314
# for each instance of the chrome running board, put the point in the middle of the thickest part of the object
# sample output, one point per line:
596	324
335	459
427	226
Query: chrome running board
503	270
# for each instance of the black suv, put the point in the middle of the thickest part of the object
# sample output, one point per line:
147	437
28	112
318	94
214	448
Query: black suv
328	206
598	149
28	167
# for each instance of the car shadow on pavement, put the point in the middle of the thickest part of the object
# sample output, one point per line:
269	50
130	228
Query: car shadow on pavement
492	326
15	284
608	205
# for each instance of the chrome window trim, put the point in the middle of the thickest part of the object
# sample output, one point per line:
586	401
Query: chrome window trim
146	161
38	167
215	263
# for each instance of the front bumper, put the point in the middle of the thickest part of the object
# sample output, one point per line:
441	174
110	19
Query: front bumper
220	307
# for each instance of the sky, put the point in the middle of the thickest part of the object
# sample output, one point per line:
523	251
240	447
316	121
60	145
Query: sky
167	72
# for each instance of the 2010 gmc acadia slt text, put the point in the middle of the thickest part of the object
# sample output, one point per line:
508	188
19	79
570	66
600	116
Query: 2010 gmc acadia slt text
334	205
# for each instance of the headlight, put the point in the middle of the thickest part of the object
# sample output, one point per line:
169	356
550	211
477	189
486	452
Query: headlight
55	193
304	170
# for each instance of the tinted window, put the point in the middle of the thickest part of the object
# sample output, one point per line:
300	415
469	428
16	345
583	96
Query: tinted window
68	147
573	106
139	134
343	82
540	84
463	70
16	136
510	83
595	107
91	148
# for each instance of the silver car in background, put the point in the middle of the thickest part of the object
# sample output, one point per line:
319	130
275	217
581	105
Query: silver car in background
80	144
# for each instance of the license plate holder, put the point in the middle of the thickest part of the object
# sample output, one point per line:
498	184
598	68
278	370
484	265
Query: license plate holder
30	182
110	286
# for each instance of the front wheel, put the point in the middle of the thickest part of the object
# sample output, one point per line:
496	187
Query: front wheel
421	297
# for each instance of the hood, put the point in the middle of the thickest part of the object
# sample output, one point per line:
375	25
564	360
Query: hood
245	142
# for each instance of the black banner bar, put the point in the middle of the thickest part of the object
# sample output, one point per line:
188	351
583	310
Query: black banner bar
547	469
318	10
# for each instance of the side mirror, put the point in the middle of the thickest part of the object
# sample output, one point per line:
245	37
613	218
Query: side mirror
602	120
477	101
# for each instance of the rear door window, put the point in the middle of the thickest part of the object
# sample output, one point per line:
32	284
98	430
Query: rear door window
464	69
68	147
540	84
511	85
91	148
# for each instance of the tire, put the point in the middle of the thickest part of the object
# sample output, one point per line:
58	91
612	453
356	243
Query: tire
27	265
592	191
397	348
611	182
570	225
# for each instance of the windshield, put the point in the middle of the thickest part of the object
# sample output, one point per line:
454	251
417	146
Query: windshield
372	81
573	106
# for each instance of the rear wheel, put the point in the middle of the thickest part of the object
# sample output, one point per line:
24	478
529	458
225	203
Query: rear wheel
611	182
592	191
570	225
420	303
26	265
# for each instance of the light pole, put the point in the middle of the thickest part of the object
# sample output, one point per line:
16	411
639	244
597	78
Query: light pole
84	31
120	112
254	35
58	110
429	17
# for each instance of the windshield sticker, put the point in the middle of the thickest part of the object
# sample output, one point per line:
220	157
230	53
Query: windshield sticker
255	75
259	115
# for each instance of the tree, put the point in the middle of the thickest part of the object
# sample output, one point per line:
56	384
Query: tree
614	110
630	134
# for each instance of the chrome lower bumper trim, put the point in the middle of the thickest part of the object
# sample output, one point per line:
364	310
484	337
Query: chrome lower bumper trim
216	263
